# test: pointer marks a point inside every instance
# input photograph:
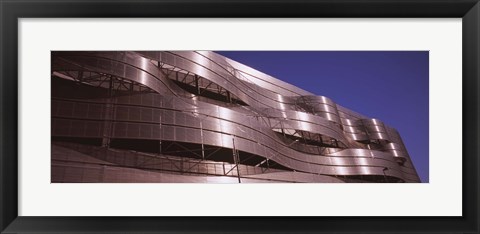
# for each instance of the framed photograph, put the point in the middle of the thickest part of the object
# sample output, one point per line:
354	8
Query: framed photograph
279	116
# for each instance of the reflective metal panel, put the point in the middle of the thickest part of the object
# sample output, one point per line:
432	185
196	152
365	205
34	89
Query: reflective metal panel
204	99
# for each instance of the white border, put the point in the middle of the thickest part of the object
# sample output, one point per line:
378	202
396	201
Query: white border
441	197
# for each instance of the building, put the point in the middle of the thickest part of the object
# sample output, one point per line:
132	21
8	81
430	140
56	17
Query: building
196	116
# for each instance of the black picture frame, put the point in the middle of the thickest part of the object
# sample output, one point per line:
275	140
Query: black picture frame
11	11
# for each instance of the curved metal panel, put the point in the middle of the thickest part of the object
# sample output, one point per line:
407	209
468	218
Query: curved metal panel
300	131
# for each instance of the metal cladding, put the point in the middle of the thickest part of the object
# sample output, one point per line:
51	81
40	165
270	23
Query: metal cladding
200	99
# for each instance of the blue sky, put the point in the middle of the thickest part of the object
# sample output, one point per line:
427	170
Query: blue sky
389	85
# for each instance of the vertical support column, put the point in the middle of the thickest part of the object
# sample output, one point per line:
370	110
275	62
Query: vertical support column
108	117
161	134
236	158
201	136
182	162
110	87
196	84
229	97
385	174
80	76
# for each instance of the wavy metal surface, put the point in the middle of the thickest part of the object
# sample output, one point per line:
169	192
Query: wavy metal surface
277	121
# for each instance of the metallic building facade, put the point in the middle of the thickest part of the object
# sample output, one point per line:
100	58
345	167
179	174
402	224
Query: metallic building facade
196	116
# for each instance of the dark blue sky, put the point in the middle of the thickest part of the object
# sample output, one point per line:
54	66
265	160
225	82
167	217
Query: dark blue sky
389	85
